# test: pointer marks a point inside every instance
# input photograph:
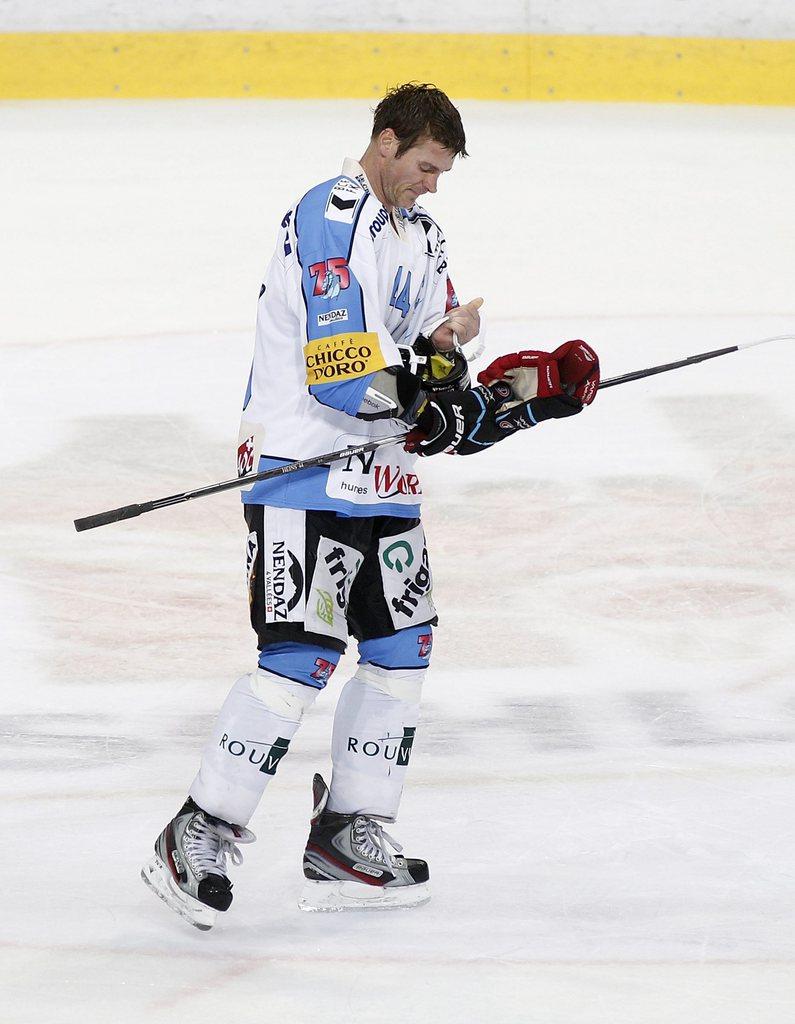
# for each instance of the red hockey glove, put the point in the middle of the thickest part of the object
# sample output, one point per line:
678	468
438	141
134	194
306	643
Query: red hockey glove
572	369
578	366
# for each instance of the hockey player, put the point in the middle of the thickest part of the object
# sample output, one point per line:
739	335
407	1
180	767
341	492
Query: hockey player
357	337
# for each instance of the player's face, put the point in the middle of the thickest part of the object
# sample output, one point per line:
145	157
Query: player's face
416	172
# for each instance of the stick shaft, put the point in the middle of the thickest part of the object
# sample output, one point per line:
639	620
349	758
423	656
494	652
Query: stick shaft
652	370
131	511
689	361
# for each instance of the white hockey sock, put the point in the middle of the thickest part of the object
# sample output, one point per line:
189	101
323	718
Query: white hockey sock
250	737
374	726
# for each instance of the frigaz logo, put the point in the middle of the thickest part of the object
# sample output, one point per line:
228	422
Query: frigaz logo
398	556
415	587
335	560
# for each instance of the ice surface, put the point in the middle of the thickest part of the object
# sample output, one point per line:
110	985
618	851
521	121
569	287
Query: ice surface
603	778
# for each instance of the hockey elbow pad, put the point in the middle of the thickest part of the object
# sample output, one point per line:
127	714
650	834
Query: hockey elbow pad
394	393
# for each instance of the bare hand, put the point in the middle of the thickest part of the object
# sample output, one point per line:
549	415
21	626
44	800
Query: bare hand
462	324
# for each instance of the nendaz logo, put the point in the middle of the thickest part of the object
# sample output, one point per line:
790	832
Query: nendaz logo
275	583
332	317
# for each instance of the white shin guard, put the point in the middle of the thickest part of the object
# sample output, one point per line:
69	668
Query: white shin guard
250	737
374	726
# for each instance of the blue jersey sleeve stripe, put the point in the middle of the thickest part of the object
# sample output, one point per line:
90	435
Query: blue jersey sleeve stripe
332	296
323	251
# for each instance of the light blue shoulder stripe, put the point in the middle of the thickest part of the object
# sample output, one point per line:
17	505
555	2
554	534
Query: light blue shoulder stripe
332	295
316	231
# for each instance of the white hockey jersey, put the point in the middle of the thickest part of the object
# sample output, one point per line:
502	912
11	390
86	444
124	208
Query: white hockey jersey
346	285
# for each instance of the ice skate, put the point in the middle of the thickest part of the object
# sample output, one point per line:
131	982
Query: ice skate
348	865
188	870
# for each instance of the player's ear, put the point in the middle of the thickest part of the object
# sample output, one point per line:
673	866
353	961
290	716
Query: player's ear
388	143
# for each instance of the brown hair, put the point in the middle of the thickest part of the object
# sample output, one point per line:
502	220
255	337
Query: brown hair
415	112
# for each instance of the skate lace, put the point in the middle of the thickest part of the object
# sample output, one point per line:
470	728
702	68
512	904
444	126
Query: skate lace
372	839
206	850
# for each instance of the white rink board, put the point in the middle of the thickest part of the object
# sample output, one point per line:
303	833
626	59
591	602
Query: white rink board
603	777
727	19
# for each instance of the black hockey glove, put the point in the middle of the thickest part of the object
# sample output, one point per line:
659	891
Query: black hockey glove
399	392
466	422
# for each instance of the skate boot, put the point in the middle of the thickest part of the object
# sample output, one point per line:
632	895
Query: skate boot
348	865
188	870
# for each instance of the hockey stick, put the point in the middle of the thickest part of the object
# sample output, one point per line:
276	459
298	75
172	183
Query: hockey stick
115	515
131	511
639	374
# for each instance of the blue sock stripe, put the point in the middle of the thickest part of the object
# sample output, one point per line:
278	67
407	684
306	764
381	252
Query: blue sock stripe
408	648
302	663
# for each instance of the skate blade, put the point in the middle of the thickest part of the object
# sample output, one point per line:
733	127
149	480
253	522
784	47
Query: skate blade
340	895
157	876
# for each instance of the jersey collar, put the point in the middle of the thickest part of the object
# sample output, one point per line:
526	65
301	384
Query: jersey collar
353	169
